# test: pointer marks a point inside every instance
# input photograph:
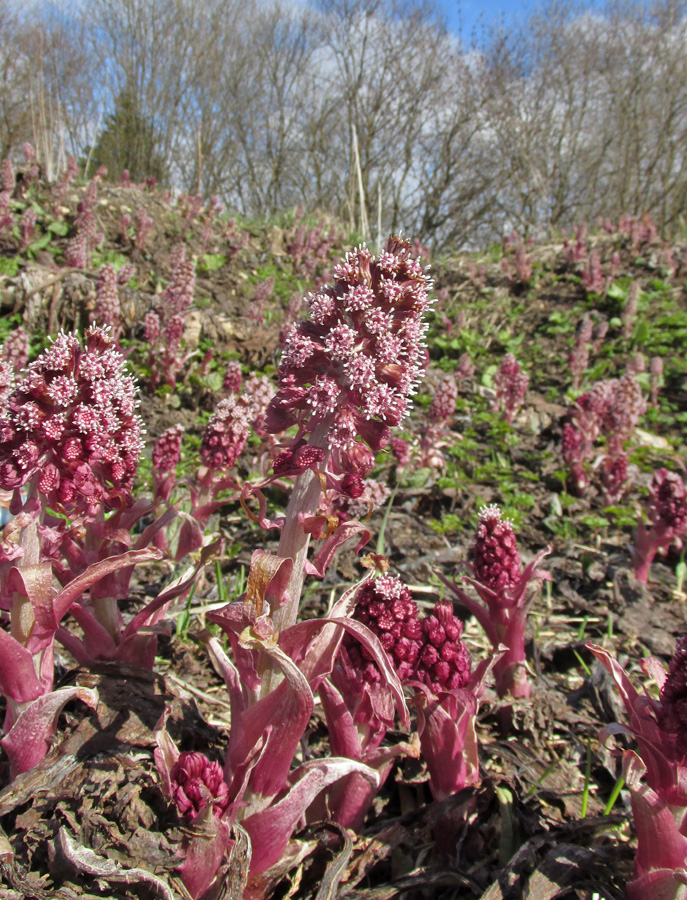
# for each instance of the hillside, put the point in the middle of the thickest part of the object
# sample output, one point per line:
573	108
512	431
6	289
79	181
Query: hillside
188	293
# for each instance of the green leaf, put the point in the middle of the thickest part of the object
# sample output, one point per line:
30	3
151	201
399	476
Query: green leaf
595	522
641	332
210	262
616	292
8	266
418	478
60	228
488	375
117	260
214	381
41	243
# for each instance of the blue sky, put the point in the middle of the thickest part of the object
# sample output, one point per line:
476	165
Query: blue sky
472	13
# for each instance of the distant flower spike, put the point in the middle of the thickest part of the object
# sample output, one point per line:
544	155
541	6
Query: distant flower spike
667	509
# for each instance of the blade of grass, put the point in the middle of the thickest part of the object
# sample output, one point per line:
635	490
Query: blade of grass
584	665
615	793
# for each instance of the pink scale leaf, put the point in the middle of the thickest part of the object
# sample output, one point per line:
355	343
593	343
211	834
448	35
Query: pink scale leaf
18	679
271	828
28	740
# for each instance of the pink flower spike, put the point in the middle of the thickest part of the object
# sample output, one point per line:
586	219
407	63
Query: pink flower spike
506	595
226	433
347	375
511	387
667	513
196	783
73	418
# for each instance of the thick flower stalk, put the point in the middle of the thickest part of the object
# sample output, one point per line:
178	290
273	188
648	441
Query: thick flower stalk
346	376
667	513
506	591
656	776
510	384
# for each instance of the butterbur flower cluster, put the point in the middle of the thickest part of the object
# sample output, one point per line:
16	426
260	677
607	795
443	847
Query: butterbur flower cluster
506	594
346	376
576	251
226	433
510	384
443	404
578	358
107	309
465	367
494	554
444	663
163	327
400	450
80	247
16	348
656	373
610	409
630	311
27	227
70	426
259	391
672	714
521	273
656	776
143	225
197	783
354	364
592	275
667	513
232	377
386	606
438	433
7	379
166	455
430	660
